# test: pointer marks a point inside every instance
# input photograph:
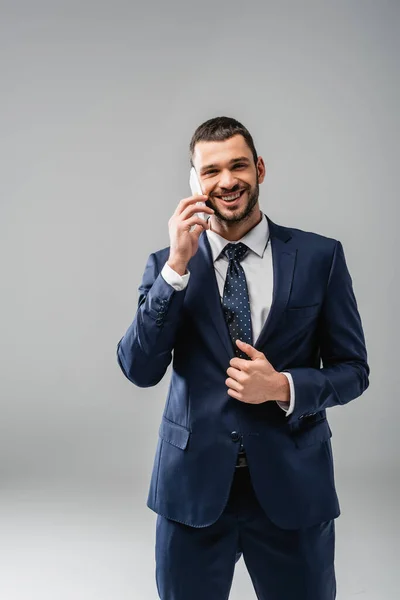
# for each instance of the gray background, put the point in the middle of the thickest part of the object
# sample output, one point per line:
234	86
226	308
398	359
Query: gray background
98	103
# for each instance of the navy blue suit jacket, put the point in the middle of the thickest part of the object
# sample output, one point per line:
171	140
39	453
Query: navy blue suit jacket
313	331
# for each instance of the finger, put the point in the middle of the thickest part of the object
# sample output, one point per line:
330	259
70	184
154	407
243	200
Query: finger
198	229
235	394
233	384
195	221
193	209
240	363
191	200
236	374
249	350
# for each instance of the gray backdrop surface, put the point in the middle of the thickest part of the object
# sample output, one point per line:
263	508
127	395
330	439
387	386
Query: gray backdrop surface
98	104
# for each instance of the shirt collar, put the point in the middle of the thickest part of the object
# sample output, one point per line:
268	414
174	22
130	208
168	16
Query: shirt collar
256	239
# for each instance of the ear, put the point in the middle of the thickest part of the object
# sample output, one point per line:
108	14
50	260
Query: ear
261	169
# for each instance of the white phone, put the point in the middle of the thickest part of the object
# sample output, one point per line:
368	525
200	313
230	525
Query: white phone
195	186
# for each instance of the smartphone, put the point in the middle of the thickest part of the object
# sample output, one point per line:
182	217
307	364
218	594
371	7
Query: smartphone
195	187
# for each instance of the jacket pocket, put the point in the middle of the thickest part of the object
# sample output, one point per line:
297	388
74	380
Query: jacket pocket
303	311
173	433
316	433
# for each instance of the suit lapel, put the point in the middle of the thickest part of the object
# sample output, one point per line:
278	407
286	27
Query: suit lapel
204	293
283	263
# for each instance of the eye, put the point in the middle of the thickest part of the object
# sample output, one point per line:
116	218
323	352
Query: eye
237	166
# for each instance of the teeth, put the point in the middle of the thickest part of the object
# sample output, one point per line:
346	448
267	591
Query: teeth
233	197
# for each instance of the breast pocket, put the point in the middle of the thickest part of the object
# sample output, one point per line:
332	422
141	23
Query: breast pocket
302	312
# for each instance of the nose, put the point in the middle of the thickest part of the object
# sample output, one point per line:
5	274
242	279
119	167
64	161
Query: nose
226	180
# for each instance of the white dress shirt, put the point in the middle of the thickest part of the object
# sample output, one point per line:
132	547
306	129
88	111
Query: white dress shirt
257	266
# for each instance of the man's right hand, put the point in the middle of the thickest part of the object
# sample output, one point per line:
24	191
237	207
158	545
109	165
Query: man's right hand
183	242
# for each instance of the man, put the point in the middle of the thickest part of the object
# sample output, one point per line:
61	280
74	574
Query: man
247	310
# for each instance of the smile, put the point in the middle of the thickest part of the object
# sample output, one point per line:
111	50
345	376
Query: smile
228	199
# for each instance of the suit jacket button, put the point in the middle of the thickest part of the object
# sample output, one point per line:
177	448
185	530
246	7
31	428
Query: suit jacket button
235	436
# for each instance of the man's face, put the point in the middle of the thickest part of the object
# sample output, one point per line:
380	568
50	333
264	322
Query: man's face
224	169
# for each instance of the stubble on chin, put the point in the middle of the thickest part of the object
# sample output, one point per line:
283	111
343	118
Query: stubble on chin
232	217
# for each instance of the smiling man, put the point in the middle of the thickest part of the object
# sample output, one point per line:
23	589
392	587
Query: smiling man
233	189
247	310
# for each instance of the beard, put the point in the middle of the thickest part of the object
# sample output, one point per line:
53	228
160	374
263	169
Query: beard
244	212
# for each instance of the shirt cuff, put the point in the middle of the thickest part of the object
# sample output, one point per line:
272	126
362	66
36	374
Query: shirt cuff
178	282
288	407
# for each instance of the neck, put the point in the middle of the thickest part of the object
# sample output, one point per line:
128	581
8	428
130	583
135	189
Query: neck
235	231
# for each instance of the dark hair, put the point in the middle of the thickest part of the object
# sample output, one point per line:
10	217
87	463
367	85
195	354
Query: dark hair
219	129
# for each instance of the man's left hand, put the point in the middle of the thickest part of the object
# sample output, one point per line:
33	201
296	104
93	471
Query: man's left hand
255	381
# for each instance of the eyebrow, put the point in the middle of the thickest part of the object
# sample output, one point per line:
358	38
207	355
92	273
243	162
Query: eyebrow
234	160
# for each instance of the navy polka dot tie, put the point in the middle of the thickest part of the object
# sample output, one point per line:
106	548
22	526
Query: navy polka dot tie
235	299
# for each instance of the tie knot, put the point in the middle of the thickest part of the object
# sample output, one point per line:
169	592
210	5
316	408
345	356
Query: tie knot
235	251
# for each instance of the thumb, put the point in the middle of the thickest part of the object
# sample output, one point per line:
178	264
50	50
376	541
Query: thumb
249	350
198	230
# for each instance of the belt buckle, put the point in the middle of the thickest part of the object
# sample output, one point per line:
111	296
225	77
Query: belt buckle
241	460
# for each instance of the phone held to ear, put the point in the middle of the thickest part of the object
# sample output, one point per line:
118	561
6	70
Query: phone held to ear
195	186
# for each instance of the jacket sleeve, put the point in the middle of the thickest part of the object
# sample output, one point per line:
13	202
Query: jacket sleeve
145	351
345	371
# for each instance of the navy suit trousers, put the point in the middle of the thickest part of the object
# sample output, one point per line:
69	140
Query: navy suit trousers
284	564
